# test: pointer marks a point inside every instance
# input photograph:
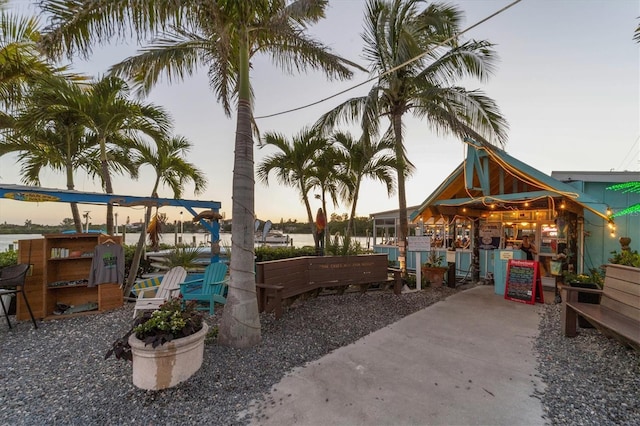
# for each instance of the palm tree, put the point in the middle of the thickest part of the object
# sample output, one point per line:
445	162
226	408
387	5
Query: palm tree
21	62
327	175
48	132
112	119
293	165
223	36
365	159
415	75
171	169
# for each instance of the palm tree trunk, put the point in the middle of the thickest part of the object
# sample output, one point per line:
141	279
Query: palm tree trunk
312	222
137	256
402	195
75	212
352	216
108	187
325	235
240	322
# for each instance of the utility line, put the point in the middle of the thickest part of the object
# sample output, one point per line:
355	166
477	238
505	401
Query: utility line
623	164
395	68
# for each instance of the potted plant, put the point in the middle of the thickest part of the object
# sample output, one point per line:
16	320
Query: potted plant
166	346
593	280
432	269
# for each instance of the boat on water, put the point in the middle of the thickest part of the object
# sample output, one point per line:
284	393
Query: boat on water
273	238
270	237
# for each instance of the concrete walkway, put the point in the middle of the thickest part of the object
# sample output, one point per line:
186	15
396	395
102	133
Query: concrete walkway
467	360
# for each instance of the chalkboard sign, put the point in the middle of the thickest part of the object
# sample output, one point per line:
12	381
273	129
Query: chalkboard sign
523	282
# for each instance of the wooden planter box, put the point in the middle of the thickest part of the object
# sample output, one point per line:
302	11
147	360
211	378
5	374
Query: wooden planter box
434	274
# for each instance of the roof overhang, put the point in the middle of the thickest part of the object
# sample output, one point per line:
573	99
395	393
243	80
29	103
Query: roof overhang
490	177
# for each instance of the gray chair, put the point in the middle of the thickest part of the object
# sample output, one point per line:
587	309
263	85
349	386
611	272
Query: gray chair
12	281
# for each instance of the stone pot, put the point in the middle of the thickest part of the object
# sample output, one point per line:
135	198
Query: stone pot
624	243
434	274
169	364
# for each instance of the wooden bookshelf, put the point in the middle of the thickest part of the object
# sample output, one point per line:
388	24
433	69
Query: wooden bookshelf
63	260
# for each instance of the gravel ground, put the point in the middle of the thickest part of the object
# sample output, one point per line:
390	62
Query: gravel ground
57	374
591	380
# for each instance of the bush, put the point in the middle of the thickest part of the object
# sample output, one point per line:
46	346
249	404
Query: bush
626	257
344	246
8	258
275	253
144	267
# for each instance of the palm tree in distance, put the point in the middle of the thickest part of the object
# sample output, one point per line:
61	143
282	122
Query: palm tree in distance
327	175
223	36
397	32
293	165
167	158
365	159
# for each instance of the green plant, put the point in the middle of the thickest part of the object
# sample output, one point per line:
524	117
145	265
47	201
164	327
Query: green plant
8	258
184	256
595	276
434	260
174	319
626	257
275	253
343	246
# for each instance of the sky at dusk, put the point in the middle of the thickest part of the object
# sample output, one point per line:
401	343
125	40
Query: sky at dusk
568	83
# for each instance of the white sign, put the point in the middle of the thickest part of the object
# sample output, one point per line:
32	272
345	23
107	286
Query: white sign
506	255
419	243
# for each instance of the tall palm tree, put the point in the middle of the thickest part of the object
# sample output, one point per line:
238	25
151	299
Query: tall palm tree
112	119
365	159
293	165
417	76
166	157
223	36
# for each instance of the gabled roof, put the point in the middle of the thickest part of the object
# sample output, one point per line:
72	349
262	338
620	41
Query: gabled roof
491	176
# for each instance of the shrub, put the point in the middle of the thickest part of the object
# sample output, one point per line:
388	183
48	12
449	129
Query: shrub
275	253
626	257
8	258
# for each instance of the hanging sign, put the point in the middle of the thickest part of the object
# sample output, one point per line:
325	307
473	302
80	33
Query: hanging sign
30	196
419	243
523	282
490	235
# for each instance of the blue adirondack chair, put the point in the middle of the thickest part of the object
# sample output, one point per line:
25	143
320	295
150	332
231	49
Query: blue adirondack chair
211	288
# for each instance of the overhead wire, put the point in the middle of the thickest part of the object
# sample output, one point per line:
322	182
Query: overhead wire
394	69
623	164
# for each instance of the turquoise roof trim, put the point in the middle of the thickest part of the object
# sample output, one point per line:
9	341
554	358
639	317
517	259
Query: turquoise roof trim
477	150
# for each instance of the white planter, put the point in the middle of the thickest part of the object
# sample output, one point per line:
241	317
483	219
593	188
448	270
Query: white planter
6	299
167	365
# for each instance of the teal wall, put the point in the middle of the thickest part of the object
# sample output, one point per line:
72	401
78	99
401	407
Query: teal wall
598	242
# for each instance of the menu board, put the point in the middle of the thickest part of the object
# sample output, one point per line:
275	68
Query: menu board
523	282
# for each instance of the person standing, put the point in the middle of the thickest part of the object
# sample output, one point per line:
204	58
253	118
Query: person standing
528	248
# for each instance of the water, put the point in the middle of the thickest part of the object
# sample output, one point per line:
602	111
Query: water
193	239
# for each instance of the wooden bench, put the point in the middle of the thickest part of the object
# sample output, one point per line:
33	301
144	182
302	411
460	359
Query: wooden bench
280	282
617	315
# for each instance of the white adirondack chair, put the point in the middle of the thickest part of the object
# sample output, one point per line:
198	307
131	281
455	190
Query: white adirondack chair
150	299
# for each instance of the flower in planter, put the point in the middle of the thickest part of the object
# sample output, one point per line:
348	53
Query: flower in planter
175	319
